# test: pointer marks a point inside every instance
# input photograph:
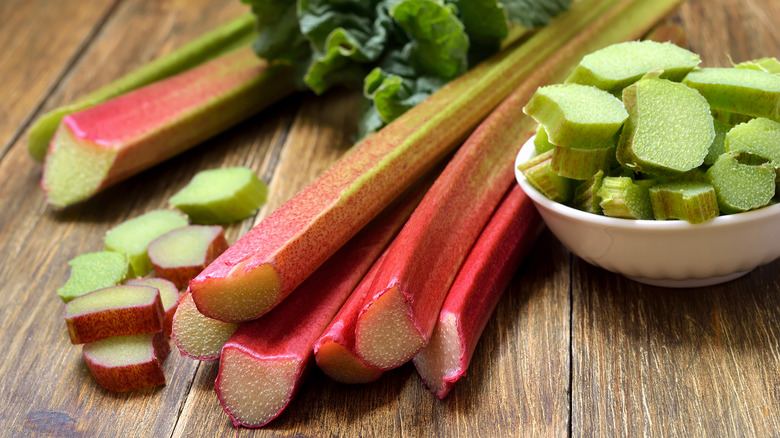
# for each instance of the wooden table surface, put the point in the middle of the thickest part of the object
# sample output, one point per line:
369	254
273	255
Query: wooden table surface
572	349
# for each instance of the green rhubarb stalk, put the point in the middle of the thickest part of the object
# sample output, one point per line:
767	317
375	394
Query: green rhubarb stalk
265	265
226	38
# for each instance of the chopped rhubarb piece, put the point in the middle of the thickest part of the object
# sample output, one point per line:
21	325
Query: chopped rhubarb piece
102	145
759	137
481	281
264	361
401	311
267	263
133	236
169	297
768	65
114	311
656	139
127	363
220	196
577	116
180	254
585	195
334	350
738	90
538	171
625	198
92	271
740	186
199	337
692	201
620	65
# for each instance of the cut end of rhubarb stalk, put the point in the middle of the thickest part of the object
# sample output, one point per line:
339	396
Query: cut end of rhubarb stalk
439	363
341	365
241	296
127	363
254	391
93	271
198	336
74	168
385	336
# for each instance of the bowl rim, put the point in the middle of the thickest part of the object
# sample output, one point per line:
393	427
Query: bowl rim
527	151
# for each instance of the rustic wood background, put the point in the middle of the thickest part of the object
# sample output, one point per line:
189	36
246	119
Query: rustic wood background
572	349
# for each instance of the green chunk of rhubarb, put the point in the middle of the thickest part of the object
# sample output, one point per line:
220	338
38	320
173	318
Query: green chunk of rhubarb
586	194
221	196
577	116
538	171
228	37
541	141
738	90
718	145
691	201
132	237
741	187
581	164
620	65
621	197
92	271
760	137
768	65
669	129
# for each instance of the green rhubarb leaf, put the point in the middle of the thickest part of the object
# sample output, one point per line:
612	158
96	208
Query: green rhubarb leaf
532	13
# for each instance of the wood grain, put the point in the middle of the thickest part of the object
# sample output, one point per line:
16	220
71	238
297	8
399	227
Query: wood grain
571	350
38	47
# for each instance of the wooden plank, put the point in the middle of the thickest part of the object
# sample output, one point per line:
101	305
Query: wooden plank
662	362
649	361
46	386
39	39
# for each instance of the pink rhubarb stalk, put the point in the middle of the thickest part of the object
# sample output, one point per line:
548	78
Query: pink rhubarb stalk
481	281
99	146
270	261
264	361
197	336
400	312
334	350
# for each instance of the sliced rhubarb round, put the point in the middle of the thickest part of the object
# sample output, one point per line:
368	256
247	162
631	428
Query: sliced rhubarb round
127	363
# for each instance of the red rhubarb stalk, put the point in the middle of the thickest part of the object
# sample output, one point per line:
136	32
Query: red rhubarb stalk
264	361
267	263
400	312
99	146
334	350
197	336
481	281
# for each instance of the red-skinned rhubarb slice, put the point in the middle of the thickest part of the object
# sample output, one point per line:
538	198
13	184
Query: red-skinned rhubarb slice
267	263
500	248
401	310
127	363
181	254
334	350
114	311
197	336
169	297
104	144
264	362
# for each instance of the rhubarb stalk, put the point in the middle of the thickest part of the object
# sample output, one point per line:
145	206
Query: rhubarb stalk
104	144
264	361
334	350
226	38
481	281
400	312
267	263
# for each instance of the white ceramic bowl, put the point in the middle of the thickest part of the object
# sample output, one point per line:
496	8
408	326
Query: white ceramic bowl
662	253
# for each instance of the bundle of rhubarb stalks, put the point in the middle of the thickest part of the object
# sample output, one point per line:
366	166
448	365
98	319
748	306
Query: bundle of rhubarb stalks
388	256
